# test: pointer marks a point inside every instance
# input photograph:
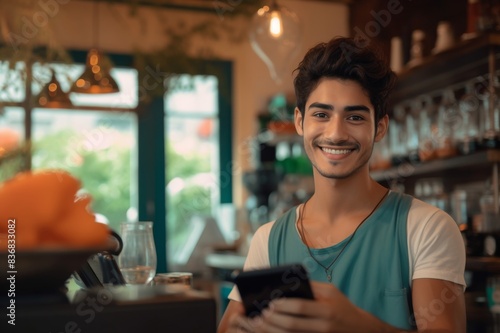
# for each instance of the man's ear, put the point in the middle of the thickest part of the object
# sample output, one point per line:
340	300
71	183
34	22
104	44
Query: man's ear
299	122
382	127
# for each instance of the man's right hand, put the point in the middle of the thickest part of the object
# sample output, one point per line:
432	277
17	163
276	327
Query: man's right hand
235	321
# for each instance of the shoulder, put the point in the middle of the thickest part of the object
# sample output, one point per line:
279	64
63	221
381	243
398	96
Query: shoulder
427	223
436	246
262	233
258	251
290	215
424	216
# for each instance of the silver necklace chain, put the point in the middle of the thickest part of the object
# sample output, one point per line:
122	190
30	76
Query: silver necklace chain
328	270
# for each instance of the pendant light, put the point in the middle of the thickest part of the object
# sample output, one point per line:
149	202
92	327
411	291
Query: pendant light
276	36
96	78
52	95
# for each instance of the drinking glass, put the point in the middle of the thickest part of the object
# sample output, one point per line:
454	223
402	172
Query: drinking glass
137	260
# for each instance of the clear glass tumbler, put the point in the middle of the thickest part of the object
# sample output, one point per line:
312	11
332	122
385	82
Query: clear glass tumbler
137	259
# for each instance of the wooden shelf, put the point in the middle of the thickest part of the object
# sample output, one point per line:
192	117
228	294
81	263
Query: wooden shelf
464	164
483	264
467	60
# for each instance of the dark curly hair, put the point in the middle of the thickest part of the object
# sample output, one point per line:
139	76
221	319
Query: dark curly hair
346	58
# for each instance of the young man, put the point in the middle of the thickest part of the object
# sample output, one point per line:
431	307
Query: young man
380	261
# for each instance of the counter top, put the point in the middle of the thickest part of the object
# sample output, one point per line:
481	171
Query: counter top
98	312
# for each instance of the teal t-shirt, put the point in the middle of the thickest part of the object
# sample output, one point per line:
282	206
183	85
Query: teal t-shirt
372	271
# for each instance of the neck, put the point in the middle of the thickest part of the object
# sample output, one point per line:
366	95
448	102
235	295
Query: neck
334	198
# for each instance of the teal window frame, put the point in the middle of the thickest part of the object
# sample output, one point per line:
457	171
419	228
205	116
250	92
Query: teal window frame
152	198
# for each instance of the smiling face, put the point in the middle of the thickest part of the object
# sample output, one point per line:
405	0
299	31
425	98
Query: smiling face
339	129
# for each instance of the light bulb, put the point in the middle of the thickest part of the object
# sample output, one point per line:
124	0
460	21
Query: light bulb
275	27
276	36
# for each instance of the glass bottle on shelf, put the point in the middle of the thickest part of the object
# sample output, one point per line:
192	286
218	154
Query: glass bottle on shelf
489	210
412	126
447	122
397	135
381	155
427	121
467	133
485	20
417	50
473	11
490	121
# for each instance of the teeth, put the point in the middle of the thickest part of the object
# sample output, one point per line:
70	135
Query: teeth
336	151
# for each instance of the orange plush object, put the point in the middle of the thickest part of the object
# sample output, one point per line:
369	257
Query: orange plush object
47	213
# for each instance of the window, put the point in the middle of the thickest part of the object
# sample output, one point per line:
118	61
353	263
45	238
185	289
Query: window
201	105
11	136
97	146
134	161
192	170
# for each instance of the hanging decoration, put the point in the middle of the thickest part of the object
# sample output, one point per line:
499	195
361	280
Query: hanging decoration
276	36
52	95
96	78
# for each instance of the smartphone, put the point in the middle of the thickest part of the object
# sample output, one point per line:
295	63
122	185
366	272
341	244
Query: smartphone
258	288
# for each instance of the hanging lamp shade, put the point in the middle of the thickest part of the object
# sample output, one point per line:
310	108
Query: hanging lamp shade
96	78
276	36
52	95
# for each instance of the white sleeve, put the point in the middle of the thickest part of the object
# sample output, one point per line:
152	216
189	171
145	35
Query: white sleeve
436	248
258	254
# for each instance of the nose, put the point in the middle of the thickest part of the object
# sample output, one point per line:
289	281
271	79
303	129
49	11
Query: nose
336	129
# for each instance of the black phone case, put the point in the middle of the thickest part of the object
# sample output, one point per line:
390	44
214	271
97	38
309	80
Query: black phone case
259	287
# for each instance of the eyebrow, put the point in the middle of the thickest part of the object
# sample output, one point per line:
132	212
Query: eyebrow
357	108
331	108
321	106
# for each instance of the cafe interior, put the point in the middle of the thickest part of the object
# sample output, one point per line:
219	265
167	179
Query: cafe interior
170	124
